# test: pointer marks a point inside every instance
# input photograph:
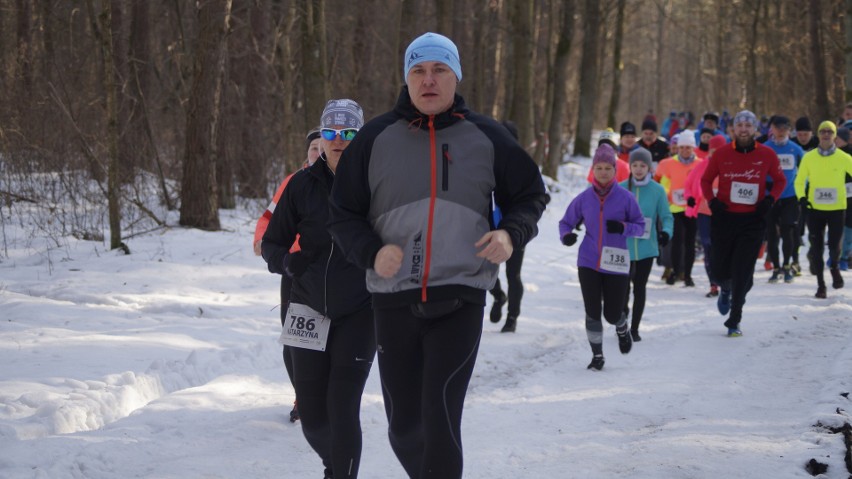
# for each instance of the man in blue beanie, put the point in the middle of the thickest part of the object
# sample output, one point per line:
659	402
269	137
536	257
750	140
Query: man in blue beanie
411	204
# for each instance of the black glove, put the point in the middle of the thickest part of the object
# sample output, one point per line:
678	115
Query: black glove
716	206
569	239
663	238
616	227
764	205
690	202
295	264
803	202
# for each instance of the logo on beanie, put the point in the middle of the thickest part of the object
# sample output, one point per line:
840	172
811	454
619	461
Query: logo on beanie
340	118
414	56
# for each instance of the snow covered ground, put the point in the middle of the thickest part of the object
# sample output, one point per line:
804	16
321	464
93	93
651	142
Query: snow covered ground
164	364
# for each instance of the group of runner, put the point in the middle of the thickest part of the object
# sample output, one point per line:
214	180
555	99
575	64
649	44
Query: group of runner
741	194
389	239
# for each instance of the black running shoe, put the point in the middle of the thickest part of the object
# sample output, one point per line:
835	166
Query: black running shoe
635	336
497	307
511	323
625	341
836	278
597	362
776	275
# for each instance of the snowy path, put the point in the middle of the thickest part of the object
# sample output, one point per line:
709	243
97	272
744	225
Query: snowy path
163	364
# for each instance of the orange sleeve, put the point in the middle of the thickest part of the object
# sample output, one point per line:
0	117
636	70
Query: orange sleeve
263	221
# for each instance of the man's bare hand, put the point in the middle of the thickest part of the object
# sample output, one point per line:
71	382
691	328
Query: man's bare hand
498	247
388	261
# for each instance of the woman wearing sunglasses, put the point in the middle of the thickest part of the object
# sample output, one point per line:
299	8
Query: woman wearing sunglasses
329	321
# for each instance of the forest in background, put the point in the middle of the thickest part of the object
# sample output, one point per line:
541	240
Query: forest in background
212	98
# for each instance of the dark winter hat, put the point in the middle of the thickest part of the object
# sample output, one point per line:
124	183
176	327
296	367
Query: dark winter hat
780	121
649	124
627	128
641	154
312	135
843	133
709	131
712	116
605	154
342	112
432	47
804	124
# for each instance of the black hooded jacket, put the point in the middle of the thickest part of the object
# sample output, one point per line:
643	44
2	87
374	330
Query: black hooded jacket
322	277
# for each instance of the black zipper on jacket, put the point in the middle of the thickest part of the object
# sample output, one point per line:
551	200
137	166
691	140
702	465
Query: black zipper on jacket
445	155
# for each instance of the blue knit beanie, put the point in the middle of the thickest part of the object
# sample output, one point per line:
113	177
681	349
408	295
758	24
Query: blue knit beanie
432	47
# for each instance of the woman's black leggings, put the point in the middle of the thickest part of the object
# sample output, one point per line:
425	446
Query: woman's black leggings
639	273
683	244
613	289
818	222
328	389
426	365
515	288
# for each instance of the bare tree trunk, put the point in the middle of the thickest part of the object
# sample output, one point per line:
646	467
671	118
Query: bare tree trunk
588	79
501	64
25	47
823	110
140	79
617	65
837	53
199	191
314	61
520	109
111	89
847	53
559	77
445	16
658	59
721	79
542	103
291	123
253	161
228	134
